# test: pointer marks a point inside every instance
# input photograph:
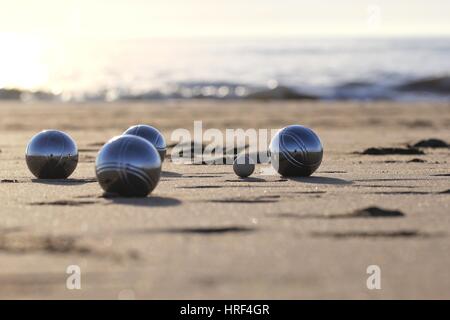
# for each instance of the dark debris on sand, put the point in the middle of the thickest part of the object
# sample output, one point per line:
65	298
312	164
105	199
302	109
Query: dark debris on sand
9	181
392	151
416	160
71	203
204	230
431	143
369	212
376	212
375	234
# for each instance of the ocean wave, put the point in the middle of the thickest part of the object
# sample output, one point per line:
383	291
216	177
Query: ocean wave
439	85
25	95
426	88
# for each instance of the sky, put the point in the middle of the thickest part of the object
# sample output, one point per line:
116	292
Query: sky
217	18
33	32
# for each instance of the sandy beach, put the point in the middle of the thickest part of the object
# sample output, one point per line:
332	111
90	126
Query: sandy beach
205	234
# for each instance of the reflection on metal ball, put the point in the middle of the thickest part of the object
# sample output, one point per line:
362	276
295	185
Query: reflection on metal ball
129	166
150	134
51	154
243	166
296	151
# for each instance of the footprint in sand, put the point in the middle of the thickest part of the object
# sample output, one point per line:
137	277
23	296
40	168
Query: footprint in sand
70	203
369	212
209	231
261	199
375	234
25	243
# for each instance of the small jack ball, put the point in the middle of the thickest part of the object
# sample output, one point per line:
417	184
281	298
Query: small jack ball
243	166
51	154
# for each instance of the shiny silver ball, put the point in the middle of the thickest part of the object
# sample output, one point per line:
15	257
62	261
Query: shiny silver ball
296	151
150	134
243	166
51	154
129	166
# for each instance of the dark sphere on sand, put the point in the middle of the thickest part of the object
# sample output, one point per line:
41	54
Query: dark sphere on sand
243	166
150	134
296	151
129	166
51	154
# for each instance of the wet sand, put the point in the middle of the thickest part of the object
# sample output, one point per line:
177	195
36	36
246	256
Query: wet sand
203	233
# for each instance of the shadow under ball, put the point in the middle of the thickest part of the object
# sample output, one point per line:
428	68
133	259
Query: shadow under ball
296	151
150	134
51	154
129	166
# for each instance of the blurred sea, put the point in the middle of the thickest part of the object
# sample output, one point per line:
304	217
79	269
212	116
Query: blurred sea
330	69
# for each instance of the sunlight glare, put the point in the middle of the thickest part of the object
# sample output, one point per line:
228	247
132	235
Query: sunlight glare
21	62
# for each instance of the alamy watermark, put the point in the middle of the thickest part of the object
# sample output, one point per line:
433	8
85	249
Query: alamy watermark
214	146
73	281
374	17
373	282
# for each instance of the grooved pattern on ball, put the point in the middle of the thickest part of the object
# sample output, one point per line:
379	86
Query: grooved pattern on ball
128	165
150	134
